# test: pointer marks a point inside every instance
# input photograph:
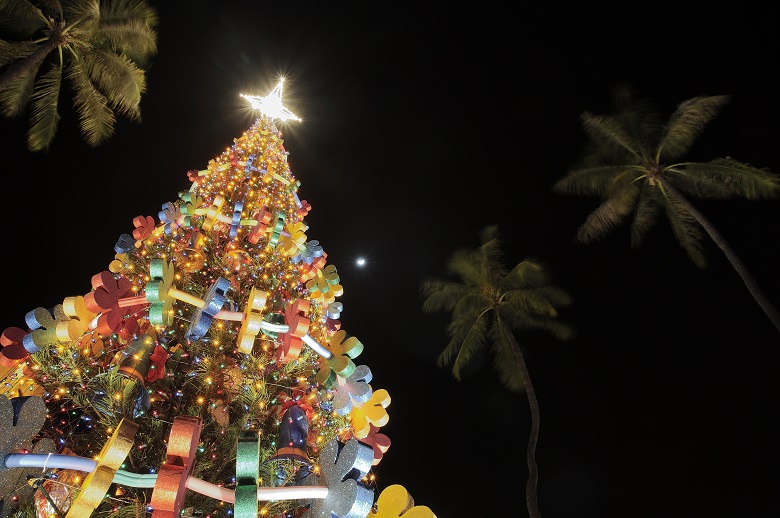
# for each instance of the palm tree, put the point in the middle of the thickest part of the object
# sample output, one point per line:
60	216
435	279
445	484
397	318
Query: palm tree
633	164
489	305
99	45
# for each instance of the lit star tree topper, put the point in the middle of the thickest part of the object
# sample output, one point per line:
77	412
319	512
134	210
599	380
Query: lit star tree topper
271	105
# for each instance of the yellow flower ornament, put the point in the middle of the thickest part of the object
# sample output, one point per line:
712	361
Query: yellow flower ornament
373	411
395	501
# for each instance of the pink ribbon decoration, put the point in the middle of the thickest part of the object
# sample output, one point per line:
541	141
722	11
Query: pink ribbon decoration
304	209
144	226
298	326
170	487
263	218
332	322
379	441
104	299
194	176
309	270
13	347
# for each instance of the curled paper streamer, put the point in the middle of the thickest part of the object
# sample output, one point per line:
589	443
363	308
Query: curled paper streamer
158	292
124	244
170	216
252	321
170	486
213	301
107	290
298	325
247	468
262	218
236	221
13	347
213	212
98	481
144	226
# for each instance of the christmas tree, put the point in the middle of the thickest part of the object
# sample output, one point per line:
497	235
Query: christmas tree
206	373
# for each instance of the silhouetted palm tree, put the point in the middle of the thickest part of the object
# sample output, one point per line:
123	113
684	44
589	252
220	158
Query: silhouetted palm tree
99	45
633	163
489	304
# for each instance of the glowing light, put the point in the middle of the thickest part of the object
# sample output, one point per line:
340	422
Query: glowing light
271	104
361	261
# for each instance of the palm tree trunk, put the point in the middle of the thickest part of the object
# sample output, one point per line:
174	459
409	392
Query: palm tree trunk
31	63
750	283
532	501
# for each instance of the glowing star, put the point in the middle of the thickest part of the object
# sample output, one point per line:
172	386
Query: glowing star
361	261
271	104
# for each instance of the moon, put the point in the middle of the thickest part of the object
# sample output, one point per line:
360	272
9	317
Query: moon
360	262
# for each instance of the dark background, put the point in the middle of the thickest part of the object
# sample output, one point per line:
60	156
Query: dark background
421	126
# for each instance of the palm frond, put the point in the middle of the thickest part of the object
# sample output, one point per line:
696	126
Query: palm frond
686	229
83	15
558	297
469	344
492	261
467	265
118	79
488	233
526	274
132	37
441	295
609	134
528	302
640	121
96	118
609	215
594	181
44	115
687	123
12	51
504	363
16	95
21	19
648	210
724	178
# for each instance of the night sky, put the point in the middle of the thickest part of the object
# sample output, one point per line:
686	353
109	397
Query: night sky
420	128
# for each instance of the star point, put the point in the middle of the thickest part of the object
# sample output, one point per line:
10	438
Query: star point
271	104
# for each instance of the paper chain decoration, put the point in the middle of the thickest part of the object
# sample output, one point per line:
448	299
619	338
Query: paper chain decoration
342	467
